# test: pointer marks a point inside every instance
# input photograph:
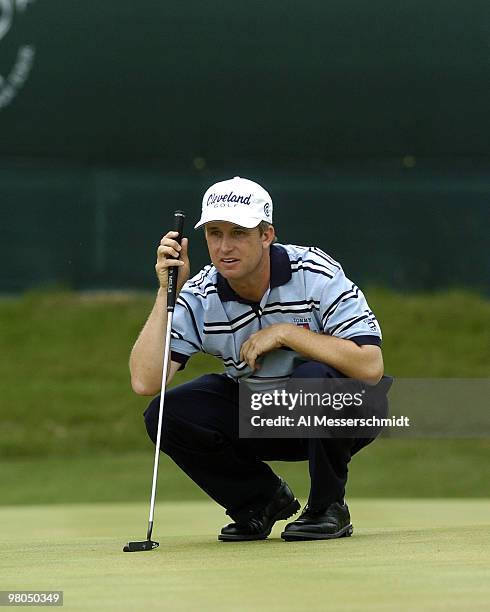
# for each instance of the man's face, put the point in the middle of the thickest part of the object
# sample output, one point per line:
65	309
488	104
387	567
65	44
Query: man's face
236	251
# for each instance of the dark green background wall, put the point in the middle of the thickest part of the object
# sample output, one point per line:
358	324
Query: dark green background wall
261	79
368	122
100	228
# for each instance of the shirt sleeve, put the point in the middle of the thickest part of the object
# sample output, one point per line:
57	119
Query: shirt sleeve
345	312
185	335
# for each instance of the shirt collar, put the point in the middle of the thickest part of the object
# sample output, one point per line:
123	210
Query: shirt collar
280	275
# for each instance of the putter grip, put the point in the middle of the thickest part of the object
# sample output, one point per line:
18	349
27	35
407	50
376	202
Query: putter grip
179	217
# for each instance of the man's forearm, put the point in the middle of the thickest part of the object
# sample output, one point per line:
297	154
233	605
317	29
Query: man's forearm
145	362
361	362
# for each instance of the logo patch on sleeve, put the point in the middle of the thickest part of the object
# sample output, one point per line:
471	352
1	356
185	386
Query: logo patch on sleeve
371	323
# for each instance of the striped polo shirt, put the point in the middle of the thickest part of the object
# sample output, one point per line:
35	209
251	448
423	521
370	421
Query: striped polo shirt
307	288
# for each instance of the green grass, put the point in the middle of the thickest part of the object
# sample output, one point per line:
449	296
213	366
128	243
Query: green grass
404	555
387	468
64	373
434	335
72	430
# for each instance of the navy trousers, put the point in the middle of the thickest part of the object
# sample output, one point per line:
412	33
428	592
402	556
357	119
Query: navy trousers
200	434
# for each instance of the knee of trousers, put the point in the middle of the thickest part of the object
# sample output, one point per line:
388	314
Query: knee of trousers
316	369
179	434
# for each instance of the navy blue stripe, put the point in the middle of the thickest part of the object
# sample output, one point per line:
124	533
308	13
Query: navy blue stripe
324	256
202	274
205	296
232	322
357	320
309	306
228	331
312	271
203	288
266	312
316	263
320	264
196	329
329	310
299	302
295	311
340	324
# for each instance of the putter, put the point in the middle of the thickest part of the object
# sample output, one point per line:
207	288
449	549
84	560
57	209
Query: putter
150	544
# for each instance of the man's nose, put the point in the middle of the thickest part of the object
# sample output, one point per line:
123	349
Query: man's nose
226	245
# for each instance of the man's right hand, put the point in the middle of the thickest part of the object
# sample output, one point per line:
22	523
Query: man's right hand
167	253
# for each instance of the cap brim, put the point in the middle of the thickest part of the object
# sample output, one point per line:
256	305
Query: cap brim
230	215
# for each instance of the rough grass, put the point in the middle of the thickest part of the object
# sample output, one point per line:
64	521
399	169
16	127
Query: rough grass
434	335
64	374
388	468
66	395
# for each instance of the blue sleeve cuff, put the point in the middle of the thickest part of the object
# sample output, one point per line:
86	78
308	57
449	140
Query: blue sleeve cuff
361	340
179	358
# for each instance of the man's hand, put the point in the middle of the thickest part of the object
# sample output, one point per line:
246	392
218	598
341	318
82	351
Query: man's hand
261	342
167	253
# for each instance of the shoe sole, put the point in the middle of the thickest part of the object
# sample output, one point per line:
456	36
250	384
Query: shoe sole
345	532
282	515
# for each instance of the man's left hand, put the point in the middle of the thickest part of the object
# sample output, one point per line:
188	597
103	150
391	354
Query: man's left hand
261	342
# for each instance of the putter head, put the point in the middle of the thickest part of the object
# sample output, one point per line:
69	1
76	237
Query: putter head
139	546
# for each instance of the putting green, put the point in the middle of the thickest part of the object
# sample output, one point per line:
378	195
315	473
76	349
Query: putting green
404	555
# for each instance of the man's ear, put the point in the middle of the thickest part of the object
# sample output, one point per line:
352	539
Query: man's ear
268	237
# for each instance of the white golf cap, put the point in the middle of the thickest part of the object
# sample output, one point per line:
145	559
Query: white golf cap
237	200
